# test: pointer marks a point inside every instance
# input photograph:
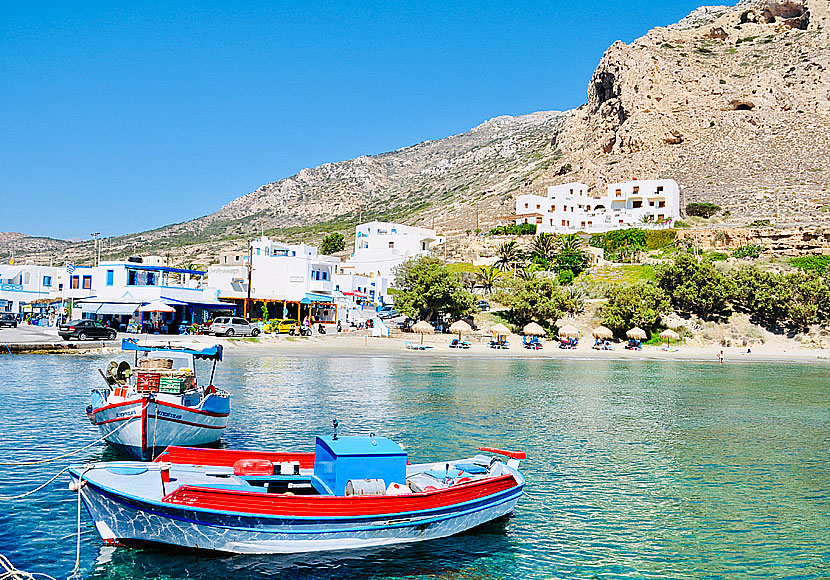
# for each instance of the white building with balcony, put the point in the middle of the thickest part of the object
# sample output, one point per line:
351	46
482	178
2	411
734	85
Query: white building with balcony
290	280
568	208
23	284
381	246
114	291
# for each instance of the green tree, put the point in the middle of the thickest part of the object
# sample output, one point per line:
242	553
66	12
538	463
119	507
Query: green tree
426	287
509	256
264	310
570	254
487	278
623	245
543	250
639	304
333	243
696	287
537	300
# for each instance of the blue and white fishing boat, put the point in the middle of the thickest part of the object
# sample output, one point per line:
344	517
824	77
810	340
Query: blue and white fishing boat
351	492
158	402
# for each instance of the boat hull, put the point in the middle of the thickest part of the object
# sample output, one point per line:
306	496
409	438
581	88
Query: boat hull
122	519
153	425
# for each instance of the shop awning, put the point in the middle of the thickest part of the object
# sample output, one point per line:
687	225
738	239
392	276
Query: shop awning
119	308
205	305
312	298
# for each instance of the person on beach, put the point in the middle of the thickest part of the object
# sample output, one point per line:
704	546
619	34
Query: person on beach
720	357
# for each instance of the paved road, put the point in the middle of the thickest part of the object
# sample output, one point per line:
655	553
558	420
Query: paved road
25	334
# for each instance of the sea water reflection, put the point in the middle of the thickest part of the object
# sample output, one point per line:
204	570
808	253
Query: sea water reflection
635	469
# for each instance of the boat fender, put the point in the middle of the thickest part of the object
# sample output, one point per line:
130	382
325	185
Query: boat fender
253	467
463	480
210	389
397	489
430	488
365	487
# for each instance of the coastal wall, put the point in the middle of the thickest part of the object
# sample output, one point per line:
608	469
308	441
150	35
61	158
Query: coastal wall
786	241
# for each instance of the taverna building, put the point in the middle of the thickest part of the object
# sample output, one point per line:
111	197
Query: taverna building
567	208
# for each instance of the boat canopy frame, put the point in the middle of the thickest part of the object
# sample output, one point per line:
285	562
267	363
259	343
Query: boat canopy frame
213	353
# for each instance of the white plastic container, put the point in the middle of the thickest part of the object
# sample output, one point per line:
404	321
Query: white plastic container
365	487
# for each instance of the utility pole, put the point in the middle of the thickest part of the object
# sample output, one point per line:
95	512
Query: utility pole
250	268
95	247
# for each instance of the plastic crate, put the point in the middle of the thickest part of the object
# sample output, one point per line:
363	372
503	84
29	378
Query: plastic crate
147	382
174	385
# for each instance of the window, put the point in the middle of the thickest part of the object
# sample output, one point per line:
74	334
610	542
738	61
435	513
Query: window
538	220
151	278
325	275
660	217
563	223
551	221
618	193
572	191
391	244
110	277
73	282
659	188
552	208
661	204
538	206
87	282
131	277
636	204
636	189
47	281
257	251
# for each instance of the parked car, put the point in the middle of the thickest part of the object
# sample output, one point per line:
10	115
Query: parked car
483	306
387	311
86	329
285	325
8	320
233	325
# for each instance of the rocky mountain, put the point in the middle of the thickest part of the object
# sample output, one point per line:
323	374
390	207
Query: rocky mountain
732	101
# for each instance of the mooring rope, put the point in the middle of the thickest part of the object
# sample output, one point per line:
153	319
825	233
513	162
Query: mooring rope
77	567
35	490
12	573
64	455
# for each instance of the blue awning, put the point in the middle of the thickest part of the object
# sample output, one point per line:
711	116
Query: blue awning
205	305
311	298
212	353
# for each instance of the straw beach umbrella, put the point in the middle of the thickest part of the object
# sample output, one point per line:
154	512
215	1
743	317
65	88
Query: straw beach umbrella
568	331
669	335
423	327
636	333
534	329
602	333
460	326
500	330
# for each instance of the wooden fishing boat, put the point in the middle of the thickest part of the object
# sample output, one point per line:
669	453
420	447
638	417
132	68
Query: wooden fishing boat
158	402
352	492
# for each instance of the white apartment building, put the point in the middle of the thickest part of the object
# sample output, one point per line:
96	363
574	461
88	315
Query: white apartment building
381	246
22	284
568	208
291	280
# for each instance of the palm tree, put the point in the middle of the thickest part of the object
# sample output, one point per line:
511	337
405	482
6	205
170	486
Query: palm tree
574	301
543	249
528	272
570	243
509	256
487	278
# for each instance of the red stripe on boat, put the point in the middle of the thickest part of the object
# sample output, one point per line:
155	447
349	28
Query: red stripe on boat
161	404
333	506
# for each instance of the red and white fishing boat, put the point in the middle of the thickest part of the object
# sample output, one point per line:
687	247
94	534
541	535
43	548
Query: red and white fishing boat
158	402
352	492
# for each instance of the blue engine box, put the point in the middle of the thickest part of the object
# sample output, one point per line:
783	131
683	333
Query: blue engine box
336	461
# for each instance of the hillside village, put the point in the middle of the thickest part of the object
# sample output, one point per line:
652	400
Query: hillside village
727	109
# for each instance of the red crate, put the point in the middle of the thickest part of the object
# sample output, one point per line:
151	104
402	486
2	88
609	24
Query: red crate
147	382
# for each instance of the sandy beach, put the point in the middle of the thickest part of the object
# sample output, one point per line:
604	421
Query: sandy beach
352	344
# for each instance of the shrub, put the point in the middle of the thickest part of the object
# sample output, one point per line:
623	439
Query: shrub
750	251
333	243
696	287
760	224
681	224
658	239
566	277
514	230
717	256
704	210
815	263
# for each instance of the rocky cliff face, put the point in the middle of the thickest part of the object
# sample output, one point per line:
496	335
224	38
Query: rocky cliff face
733	102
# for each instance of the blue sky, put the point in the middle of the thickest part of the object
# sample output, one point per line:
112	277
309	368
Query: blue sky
118	119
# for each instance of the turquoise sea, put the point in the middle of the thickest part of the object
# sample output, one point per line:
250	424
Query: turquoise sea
635	469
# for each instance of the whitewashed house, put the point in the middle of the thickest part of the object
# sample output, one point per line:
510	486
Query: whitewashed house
22	284
568	208
381	246
290	280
